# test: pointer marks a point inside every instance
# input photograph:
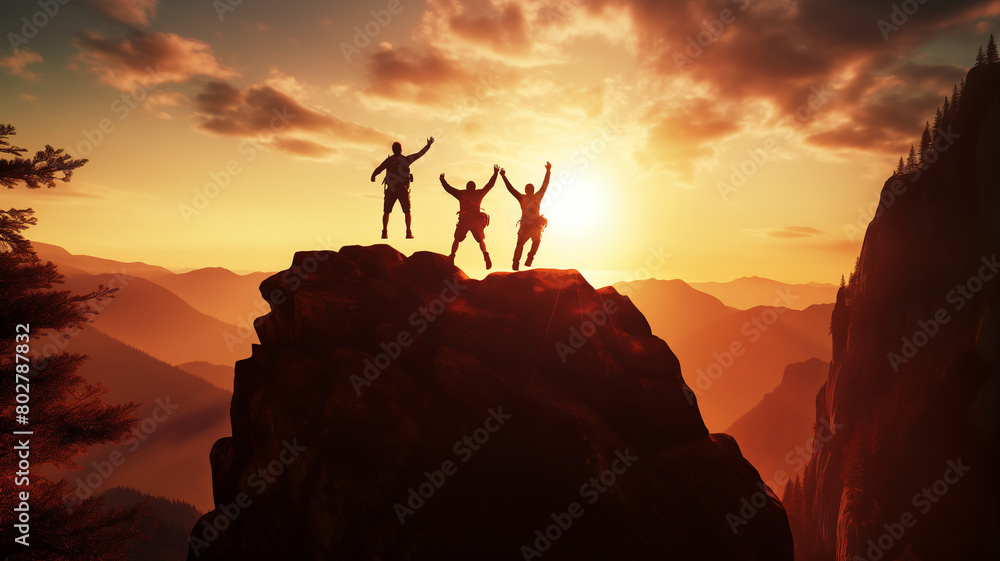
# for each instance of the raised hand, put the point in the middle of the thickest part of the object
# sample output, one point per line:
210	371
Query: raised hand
503	173
496	168
442	176
548	166
430	141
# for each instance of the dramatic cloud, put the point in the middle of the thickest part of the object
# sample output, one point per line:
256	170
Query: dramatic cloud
402	74
499	28
271	117
133	12
748	49
742	51
682	132
17	64
519	33
145	57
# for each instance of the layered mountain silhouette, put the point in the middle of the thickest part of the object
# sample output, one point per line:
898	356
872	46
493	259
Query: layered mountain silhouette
915	381
732	357
150	317
94	265
180	416
777	434
216	374
169	520
174	317
397	409
750	292
217	292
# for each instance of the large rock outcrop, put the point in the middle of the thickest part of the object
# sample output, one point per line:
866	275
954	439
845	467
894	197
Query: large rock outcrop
914	387
396	409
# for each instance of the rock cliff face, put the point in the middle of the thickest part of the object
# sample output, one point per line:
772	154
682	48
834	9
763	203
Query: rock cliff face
778	435
915	382
397	409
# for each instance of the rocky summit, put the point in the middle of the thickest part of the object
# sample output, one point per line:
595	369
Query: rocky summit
397	409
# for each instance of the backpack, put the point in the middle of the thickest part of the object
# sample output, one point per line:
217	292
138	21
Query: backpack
398	168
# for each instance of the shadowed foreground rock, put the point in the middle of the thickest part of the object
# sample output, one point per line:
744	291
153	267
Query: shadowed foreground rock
396	409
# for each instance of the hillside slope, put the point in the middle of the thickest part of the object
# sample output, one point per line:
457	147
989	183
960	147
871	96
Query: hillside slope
180	416
732	357
777	434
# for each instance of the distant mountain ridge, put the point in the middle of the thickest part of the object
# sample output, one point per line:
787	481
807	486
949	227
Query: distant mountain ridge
174	317
179	416
732	357
95	265
776	436
214	291
219	292
154	319
749	292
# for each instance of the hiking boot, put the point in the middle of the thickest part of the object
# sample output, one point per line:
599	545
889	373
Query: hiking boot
527	262
515	266
489	264
409	235
385	235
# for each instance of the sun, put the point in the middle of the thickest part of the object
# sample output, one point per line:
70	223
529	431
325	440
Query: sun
577	206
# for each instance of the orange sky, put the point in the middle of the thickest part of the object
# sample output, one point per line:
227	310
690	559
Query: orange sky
646	132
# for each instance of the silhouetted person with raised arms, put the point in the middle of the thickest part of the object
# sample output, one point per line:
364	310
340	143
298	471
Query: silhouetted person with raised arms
532	223
397	183
471	217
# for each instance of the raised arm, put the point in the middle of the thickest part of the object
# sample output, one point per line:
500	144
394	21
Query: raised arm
513	191
493	180
545	183
451	190
414	157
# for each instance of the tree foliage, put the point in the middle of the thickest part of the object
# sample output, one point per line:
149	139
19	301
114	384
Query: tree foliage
925	143
66	414
42	169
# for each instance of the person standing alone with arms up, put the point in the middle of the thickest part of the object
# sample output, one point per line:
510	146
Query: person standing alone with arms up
471	217
397	184
532	223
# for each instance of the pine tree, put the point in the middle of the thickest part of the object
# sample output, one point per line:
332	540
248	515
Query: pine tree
901	168
911	160
42	169
980	58
956	98
938	122
850	283
946	112
991	51
65	413
925	144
